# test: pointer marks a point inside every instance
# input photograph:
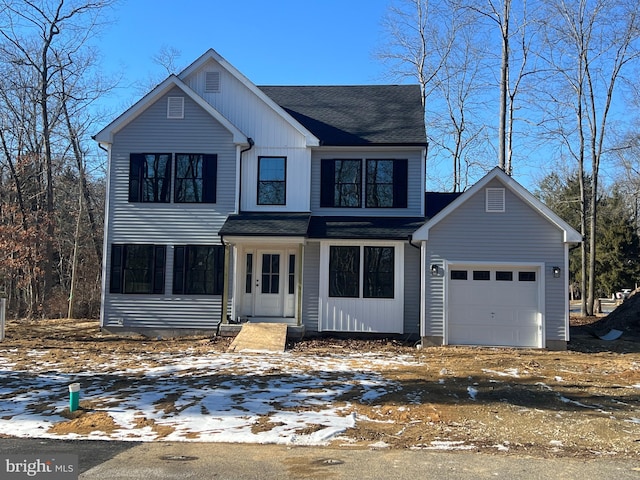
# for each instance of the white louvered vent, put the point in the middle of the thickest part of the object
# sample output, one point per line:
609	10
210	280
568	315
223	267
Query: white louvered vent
212	82
495	199
175	107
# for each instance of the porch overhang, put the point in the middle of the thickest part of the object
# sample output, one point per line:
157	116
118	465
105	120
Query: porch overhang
255	226
364	228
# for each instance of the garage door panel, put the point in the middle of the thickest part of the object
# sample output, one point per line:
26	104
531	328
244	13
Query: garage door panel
493	312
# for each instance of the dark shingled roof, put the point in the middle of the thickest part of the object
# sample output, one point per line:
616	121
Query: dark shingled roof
266	224
356	115
389	228
436	201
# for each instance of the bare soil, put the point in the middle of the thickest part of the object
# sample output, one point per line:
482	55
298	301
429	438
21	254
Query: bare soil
583	402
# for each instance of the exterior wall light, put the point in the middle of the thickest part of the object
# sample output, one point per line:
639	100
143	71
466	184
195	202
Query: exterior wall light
556	272
434	270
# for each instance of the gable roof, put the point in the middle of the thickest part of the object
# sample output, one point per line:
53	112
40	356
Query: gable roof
570	234
356	115
106	134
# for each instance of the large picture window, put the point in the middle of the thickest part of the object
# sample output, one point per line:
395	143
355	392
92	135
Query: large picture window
195	178
378	272
198	269
150	177
272	176
377	275
137	269
344	271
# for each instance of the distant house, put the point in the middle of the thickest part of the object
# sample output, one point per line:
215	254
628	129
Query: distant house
228	202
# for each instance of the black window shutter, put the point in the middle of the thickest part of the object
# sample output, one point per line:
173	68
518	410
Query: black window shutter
115	285
178	270
400	183
158	269
210	178
136	167
327	183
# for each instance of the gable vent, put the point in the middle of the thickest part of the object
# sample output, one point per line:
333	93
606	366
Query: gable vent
175	107
212	82
495	199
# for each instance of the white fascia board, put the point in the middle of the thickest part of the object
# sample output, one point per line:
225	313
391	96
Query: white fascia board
105	136
312	140
569	233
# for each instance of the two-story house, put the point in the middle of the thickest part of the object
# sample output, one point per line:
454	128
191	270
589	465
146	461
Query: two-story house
304	205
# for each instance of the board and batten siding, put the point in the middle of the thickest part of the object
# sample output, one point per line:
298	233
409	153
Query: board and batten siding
517	235
416	180
242	107
298	161
166	223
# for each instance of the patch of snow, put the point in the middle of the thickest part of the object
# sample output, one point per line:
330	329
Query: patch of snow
509	372
379	445
633	420
472	392
556	443
444	445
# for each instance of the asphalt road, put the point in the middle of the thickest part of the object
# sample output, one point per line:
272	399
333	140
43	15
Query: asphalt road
163	460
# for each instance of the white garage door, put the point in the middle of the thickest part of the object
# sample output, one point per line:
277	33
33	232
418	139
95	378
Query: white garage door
493	306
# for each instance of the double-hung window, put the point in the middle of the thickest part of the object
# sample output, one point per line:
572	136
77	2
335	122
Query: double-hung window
150	177
137	269
376	274
384	183
198	269
341	183
272	180
195	178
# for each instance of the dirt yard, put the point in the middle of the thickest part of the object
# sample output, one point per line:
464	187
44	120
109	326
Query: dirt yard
584	402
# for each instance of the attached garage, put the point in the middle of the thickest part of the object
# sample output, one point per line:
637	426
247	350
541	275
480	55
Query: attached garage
495	263
494	305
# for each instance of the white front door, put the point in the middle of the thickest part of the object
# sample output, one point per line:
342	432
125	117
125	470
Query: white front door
269	298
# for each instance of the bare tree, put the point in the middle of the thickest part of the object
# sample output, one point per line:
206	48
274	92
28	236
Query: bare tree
41	45
590	45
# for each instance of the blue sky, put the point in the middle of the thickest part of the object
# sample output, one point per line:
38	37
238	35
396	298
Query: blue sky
279	42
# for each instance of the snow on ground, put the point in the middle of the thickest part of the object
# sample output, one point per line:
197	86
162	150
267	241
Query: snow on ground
256	398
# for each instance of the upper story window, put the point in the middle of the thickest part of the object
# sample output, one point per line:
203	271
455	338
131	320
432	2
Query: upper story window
150	177
385	183
272	183
341	183
137	269
195	178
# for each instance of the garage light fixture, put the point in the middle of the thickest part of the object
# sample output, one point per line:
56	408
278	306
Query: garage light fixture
434	270
556	272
